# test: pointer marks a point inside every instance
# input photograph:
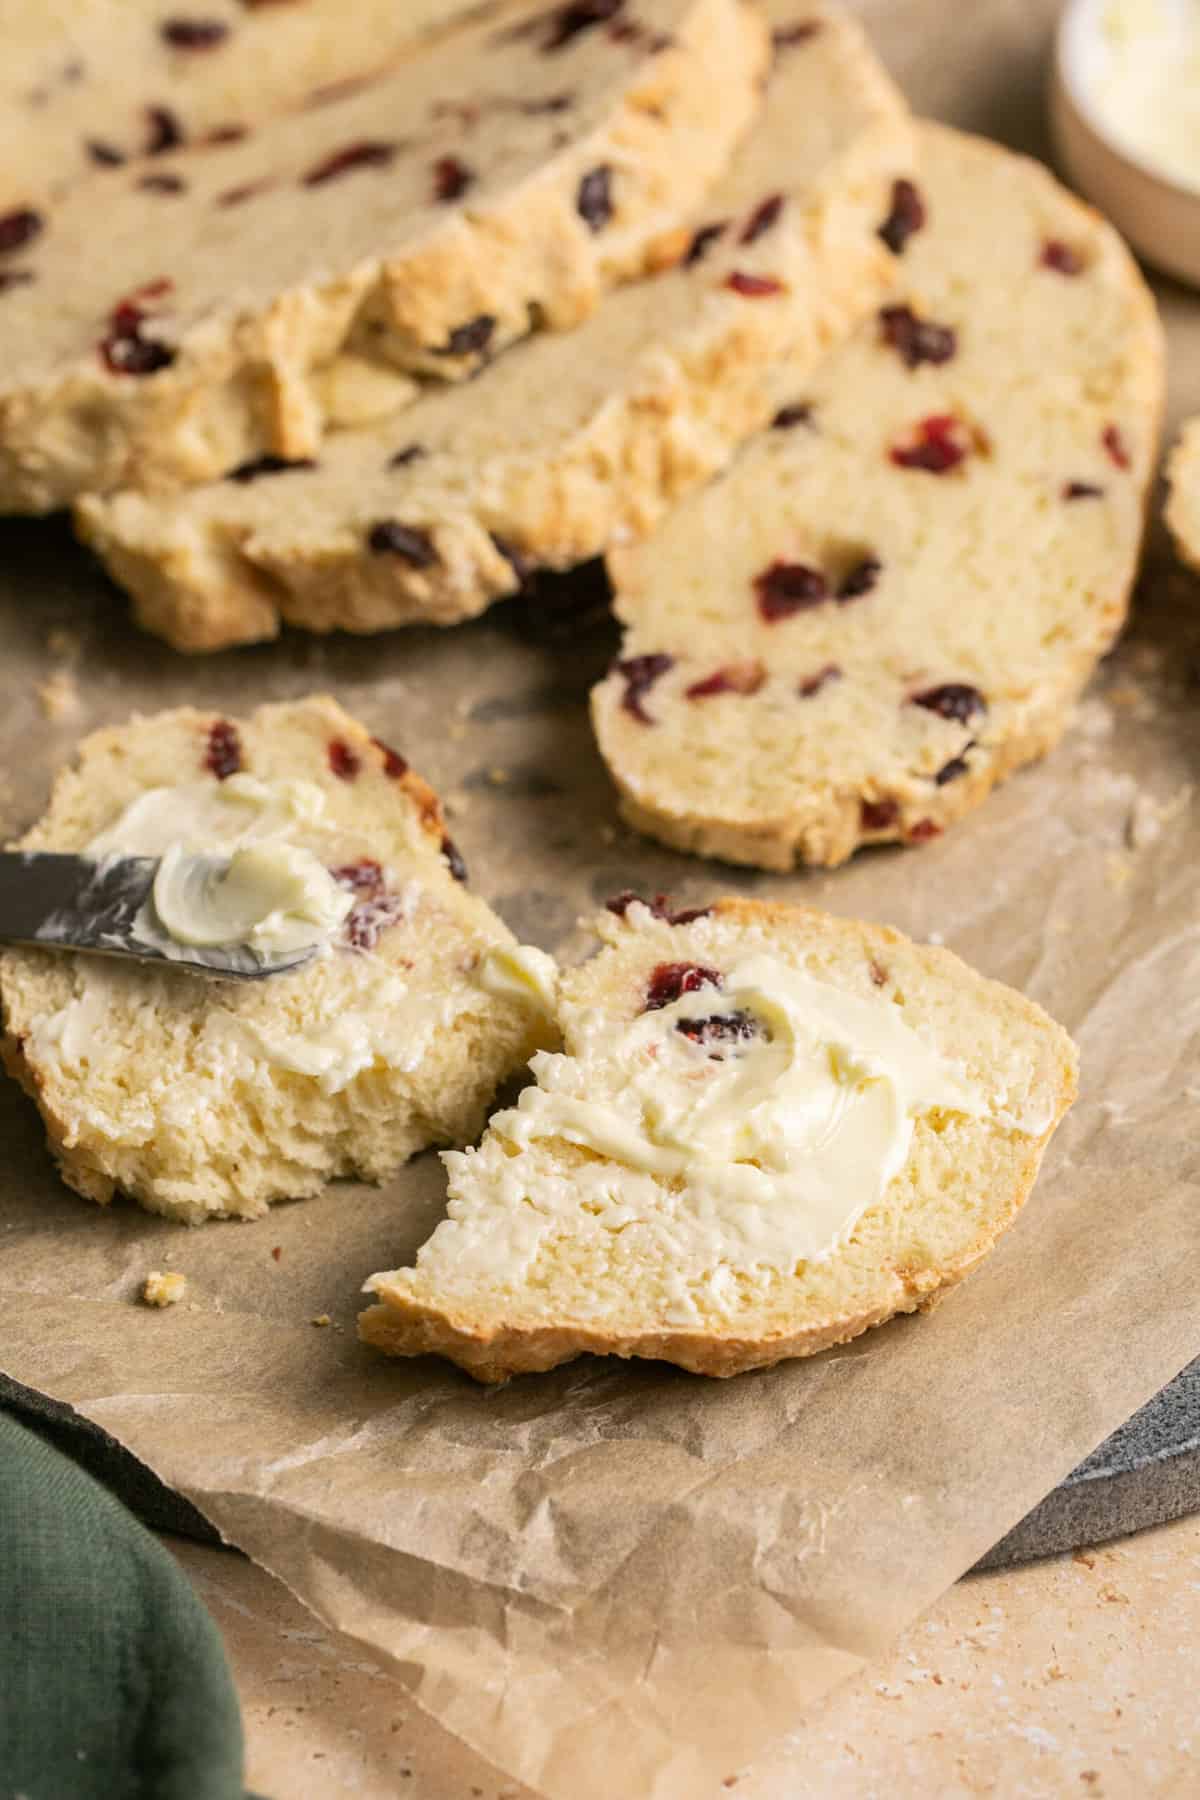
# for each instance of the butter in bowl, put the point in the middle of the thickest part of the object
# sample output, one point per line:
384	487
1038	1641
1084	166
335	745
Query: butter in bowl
1125	110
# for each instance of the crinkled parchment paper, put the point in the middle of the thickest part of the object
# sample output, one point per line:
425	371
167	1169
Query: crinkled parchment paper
623	1580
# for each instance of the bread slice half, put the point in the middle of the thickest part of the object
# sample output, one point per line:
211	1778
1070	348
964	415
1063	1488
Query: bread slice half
768	1130
570	442
893	599
161	328
205	1098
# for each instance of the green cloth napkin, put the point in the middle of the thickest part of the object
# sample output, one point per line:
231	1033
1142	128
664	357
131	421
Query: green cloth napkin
113	1679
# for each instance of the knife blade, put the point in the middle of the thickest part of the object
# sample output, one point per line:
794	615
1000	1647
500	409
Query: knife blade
52	901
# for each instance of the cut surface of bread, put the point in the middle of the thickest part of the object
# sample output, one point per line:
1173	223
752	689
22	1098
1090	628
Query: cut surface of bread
163	327
1183	501
892	600
203	1097
570	441
768	1130
90	84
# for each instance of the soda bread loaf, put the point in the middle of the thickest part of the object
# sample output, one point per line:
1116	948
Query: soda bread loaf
205	1098
165	326
569	441
769	1129
893	598
89	84
1183	500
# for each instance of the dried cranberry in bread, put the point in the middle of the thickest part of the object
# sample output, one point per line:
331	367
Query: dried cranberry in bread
162	327
87	84
893	598
205	1098
568	442
769	1130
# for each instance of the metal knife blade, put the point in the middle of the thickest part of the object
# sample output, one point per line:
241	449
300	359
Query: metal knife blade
51	901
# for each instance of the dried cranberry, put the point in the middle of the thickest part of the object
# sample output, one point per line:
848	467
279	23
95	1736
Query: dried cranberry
938	448
593	202
788	416
734	678
639	674
471	338
786	37
454	861
105	156
579	15
368	153
365	877
660	906
950	771
390	538
165	131
451	179
366	923
411	453
754	287
268	464
906	217
703	241
879	815
1061	258
14	278
237	196
516	559
1082	490
860	580
193	34
955	700
223	754
922	831
917	340
394	765
761	219
344	761
786	588
719	1028
124	350
1115	446
19	228
879	974
162	184
670	981
226	134
812	684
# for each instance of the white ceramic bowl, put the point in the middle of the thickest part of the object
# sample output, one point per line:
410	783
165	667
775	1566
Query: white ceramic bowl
1160	217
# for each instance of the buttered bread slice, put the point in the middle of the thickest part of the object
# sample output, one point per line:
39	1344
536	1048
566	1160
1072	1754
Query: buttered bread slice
205	1098
569	442
164	326
768	1130
893	598
89	84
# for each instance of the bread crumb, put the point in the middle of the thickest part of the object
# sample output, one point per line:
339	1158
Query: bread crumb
498	777
163	1288
64	643
322	1319
1117	872
59	695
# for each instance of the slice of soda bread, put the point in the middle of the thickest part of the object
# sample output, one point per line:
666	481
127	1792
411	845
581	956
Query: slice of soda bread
162	327
569	442
1183	501
769	1129
892	600
205	1098
89	84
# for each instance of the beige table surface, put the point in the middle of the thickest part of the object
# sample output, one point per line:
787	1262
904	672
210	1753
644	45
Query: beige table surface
1077	1675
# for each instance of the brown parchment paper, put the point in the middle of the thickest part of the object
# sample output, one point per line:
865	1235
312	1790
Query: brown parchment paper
623	1580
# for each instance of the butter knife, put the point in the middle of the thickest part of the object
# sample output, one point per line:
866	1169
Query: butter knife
50	901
